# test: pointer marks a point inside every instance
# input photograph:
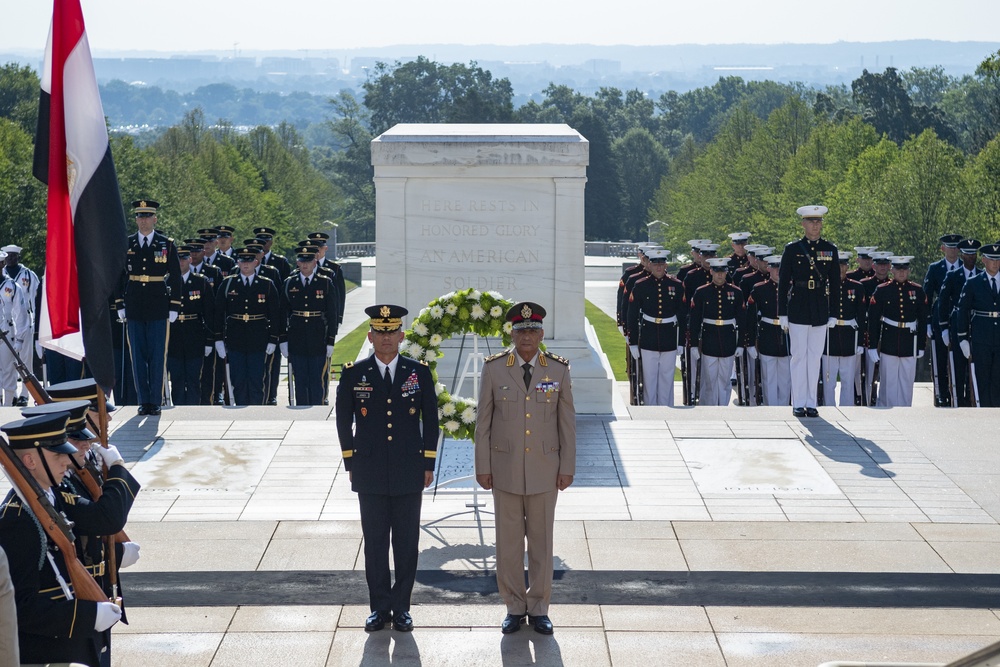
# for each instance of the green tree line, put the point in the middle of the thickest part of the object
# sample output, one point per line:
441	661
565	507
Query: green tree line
899	157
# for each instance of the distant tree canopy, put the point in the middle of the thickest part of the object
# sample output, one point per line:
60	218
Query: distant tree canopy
899	156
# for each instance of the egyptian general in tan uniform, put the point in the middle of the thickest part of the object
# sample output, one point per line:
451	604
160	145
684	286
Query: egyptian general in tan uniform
525	453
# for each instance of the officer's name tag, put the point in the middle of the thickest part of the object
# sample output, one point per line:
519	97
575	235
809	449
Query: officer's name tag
362	394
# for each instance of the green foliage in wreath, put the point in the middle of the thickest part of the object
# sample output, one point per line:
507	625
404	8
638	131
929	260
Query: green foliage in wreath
455	313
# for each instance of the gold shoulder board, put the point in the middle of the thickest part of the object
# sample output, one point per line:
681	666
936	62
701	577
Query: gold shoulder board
348	364
493	357
562	360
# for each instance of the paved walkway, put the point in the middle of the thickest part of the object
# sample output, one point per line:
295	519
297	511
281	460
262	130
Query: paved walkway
707	536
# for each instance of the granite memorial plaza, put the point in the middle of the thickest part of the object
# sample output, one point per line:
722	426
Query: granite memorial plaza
691	536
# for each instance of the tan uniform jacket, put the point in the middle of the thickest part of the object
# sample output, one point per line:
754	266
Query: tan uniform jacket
525	439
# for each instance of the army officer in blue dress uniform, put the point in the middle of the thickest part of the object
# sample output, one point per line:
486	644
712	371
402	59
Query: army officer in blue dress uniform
387	420
149	289
247	327
309	308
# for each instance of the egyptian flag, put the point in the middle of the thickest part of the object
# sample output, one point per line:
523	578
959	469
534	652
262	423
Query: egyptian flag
86	242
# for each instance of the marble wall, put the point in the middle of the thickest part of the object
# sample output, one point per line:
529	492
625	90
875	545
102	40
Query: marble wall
495	207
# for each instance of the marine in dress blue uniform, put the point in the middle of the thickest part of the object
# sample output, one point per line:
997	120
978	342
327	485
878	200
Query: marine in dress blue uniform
309	308
845	339
933	283
387	421
149	299
955	365
739	259
716	321
976	326
701	275
247	328
766	339
880	274
192	335
808	282
54	626
656	322
897	318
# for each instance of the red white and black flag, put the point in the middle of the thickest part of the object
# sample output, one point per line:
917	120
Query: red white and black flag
86	241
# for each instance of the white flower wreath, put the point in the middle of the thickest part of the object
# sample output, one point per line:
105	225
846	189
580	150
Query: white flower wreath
466	311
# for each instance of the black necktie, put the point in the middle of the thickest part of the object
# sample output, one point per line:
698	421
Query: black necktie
145	242
527	376
993	281
388	378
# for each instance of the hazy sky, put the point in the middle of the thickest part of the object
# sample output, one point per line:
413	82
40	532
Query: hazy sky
330	25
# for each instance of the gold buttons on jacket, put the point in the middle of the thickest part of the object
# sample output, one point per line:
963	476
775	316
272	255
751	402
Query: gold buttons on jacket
527	398
390	438
388	400
528	432
388	425
527	449
528	415
388	413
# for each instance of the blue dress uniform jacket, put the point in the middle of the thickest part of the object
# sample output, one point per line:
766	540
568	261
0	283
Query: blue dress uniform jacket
651	302
213	274
808	281
718	316
151	280
934	281
751	280
901	303
280	264
621	313
627	291
977	320
50	627
195	325
224	263
388	435
851	311
310	313
763	328
860	274
247	318
951	290
694	279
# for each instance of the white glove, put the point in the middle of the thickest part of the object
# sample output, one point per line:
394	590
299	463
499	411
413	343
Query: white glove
752	351
695	355
121	313
329	351
107	615
621	330
861	350
39	350
109	455
920	354
832	322
944	337
284	349
173	316
130	554
17	345
912	326
220	349
739	353
269	350
784	322
634	349
208	350
930	334
873	355
966	348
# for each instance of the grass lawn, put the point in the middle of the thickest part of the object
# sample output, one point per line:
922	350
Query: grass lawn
348	346
611	340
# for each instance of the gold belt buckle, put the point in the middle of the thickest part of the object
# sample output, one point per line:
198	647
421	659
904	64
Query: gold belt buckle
246	318
812	284
659	319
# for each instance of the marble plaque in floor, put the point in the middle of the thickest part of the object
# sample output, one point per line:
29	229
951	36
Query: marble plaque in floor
231	466
765	466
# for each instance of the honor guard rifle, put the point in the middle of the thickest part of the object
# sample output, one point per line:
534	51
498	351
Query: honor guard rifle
54	523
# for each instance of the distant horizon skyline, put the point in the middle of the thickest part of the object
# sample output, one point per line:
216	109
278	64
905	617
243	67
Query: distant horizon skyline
193	26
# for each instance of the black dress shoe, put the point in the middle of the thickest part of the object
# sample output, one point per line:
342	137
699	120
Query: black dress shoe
21	402
402	622
812	412
512	623
376	621
542	624
142	409
153	409
798	412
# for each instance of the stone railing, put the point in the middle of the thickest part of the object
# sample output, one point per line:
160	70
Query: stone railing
609	249
352	250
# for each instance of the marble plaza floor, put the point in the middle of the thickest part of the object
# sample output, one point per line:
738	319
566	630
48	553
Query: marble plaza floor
693	537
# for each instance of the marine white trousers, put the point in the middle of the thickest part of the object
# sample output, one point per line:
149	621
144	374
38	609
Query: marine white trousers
806	344
716	386
896	375
847	368
776	379
658	377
